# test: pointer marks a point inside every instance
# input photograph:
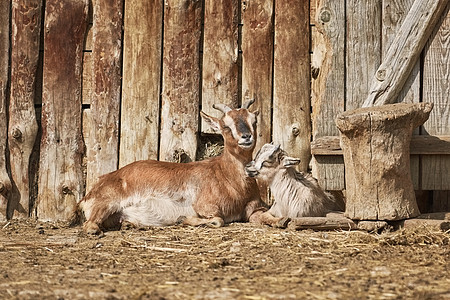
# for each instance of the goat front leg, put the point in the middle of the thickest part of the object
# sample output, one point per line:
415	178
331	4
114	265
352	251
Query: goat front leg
258	214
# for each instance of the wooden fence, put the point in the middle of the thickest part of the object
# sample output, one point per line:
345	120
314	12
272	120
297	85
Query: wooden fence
90	86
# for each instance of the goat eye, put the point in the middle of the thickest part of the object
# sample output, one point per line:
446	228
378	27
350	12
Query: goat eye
267	163
226	128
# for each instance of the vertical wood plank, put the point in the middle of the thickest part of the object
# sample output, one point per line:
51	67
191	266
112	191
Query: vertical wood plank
181	78
394	13
363	49
257	62
141	87
220	56
257	53
103	151
291	94
328	86
5	182
436	86
26	24
61	183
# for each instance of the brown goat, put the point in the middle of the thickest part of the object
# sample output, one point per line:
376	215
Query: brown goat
211	192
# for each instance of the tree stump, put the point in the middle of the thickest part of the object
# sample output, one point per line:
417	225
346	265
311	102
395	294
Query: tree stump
376	146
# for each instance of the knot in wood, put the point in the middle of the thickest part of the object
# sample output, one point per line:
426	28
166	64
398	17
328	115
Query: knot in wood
65	189
17	133
325	16
295	130
381	74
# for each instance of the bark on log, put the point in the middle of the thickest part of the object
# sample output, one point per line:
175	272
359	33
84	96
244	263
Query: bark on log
5	182
103	153
61	183
181	79
26	24
376	142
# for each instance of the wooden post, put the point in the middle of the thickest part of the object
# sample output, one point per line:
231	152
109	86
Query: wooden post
103	151
61	183
328	86
257	53
5	183
220	56
141	84
376	142
404	51
291	86
26	24
436	87
181	79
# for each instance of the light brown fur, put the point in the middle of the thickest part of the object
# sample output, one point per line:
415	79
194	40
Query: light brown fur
212	192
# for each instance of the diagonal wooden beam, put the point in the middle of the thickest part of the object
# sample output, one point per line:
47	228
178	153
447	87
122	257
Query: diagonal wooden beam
404	51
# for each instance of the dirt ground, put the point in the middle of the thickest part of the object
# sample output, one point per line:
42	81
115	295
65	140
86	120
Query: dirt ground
239	261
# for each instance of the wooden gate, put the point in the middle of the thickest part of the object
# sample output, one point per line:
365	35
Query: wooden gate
123	80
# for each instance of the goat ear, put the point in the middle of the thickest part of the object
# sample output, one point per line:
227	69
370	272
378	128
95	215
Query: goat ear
212	122
290	161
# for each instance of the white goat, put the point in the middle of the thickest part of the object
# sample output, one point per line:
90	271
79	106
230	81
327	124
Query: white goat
295	194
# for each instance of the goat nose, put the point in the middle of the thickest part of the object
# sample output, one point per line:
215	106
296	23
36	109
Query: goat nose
246	136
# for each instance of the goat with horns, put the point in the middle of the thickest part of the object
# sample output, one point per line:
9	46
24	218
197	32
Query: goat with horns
211	192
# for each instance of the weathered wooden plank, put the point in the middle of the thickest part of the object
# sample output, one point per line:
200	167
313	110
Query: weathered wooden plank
403	52
420	144
436	86
394	14
328	86
257	54
61	183
441	201
291	85
141	82
220	56
103	151
322	223
363	55
5	182
257	50
181	78
26	24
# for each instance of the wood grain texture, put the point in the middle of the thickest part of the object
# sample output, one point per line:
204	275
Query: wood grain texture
61	183
103	150
5	182
220	56
328	86
404	51
394	15
420	144
436	86
141	84
377	168
363	55
257	50
22	131
181	79
291	86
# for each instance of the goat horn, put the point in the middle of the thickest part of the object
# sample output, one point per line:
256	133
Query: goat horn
247	104
222	107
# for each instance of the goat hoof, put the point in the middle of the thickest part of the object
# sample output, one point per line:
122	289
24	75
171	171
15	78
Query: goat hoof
283	222
92	228
216	223
180	220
